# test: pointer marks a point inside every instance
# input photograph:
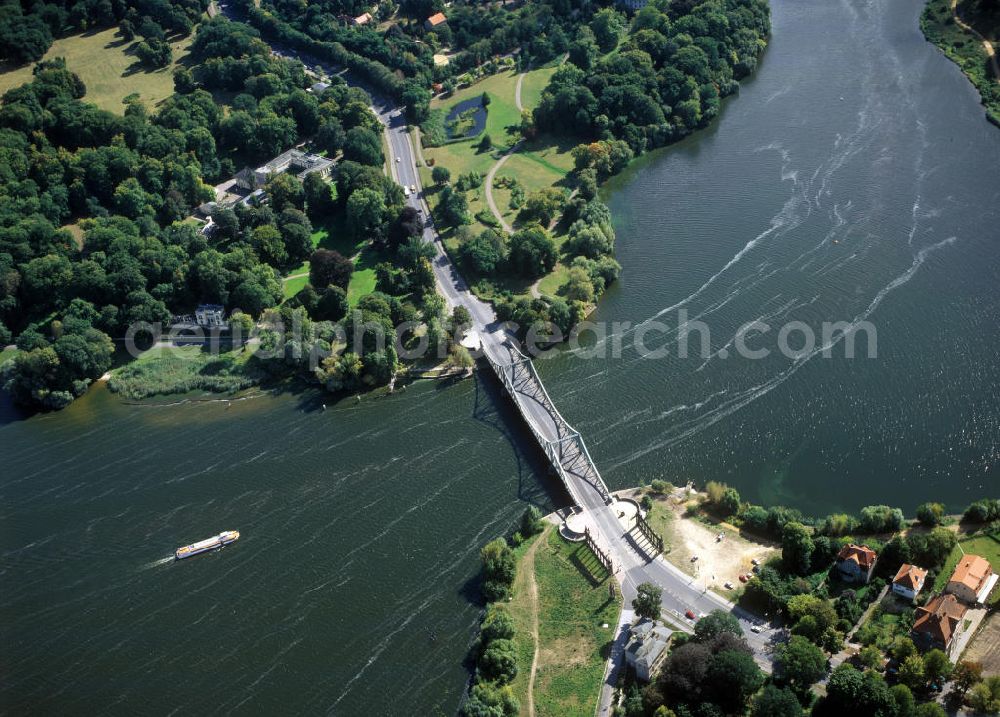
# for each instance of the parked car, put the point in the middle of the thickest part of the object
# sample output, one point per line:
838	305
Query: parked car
755	561
728	586
694	558
756	628
744	578
689	614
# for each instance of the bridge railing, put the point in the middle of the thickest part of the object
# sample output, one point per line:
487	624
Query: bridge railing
553	449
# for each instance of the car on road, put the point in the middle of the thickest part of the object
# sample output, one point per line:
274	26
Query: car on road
398	159
689	615
413	188
406	191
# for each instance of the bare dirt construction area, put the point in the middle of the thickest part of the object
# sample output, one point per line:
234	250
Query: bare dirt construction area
719	561
985	646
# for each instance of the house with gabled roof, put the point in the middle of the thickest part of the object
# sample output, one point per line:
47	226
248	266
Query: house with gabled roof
972	581
435	20
909	581
936	624
856	563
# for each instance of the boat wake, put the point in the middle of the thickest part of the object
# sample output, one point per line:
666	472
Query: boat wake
156	563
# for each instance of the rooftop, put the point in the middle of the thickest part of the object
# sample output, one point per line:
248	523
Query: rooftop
971	571
940	618
910	576
436	19
860	554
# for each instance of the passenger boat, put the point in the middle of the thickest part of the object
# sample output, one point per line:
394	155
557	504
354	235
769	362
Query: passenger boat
203	546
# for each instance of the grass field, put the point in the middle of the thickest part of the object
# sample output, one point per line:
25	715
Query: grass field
108	67
539	164
986	546
573	605
332	235
533	84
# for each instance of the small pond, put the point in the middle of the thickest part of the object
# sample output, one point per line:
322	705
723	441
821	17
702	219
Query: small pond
466	119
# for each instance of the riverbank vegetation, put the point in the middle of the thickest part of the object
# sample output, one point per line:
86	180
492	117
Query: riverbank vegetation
959	30
175	370
542	641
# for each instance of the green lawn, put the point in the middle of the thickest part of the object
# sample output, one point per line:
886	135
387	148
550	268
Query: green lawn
363	278
331	235
108	67
573	604
533	84
986	546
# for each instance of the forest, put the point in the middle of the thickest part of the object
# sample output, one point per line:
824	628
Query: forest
128	184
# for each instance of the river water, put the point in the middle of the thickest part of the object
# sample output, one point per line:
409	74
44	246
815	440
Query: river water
349	592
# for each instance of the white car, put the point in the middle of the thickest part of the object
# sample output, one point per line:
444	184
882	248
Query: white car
406	191
756	628
413	188
398	159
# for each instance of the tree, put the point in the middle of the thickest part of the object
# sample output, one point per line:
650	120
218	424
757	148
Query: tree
902	696
796	548
486	143
331	305
903	649
937	667
608	27
453	206
732	678
486	700
366	213
543	206
318	197
484	253
531	522
776	702
930	709
498	662
499	567
911	673
440	174
532	252
497	624
802	663
716	623
967	674
363	146
284	190
647	601
985	696
930	514
327	267
485	99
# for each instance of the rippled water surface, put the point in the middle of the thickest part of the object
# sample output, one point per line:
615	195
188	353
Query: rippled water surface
854	178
